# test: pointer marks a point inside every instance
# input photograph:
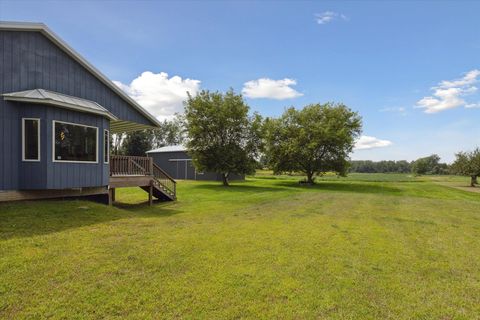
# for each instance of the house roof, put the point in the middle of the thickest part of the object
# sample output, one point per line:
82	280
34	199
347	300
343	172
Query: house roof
42	28
60	100
177	148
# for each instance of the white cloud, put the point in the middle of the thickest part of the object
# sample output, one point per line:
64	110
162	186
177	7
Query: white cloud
473	105
160	95
329	16
271	89
368	142
400	110
450	94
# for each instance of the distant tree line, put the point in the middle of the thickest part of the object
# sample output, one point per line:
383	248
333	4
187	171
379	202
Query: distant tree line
430	165
385	166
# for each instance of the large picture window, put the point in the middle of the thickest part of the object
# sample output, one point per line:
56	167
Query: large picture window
74	142
30	139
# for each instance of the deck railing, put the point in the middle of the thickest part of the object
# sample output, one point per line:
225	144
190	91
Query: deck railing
130	166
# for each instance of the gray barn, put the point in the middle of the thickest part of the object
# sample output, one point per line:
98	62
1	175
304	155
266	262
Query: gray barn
57	112
178	164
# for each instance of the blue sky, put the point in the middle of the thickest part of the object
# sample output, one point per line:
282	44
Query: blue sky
409	68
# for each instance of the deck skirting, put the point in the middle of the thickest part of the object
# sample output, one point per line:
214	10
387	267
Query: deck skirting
15	195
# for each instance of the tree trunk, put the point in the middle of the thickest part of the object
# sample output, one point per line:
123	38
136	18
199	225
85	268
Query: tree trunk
225	179
310	177
473	181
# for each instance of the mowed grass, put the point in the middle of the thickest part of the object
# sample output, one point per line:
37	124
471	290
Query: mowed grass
362	247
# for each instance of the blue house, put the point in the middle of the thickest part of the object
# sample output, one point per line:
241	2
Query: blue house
57	113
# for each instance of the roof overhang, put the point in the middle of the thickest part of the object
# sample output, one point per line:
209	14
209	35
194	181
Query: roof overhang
40	96
121	126
42	28
169	149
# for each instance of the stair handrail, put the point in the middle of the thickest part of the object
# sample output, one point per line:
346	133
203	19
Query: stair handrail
164	172
165	176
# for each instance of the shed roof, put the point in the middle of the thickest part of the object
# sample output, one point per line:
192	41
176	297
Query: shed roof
177	148
42	28
60	100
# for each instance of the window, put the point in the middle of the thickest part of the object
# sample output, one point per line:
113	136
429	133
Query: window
74	142
106	146
30	139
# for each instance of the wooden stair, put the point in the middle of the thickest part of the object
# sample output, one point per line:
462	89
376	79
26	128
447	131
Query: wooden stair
128	171
164	187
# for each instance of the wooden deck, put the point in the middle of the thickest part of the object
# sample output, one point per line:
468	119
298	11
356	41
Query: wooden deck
132	171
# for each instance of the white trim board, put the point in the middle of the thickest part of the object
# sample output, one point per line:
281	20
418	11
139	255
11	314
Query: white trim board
108	146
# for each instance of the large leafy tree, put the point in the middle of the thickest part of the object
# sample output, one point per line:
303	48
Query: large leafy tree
137	143
313	140
222	137
468	164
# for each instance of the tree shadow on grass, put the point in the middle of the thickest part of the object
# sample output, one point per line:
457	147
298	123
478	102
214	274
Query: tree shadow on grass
354	187
34	218
292	185
234	188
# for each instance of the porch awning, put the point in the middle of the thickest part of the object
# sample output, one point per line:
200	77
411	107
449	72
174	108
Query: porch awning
61	100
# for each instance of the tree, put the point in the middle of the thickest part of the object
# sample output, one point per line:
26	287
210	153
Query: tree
429	165
222	138
116	141
137	143
314	140
468	164
171	132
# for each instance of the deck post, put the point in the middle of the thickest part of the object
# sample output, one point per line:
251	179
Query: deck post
110	200
150	193
150	166
113	194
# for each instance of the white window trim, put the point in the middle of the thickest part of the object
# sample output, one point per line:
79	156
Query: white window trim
23	140
74	124
108	146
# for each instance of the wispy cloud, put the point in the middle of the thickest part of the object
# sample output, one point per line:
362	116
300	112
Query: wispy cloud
160	95
270	89
400	110
472	105
368	142
329	16
449	94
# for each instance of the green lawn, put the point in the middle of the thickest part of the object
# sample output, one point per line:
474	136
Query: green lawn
362	247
